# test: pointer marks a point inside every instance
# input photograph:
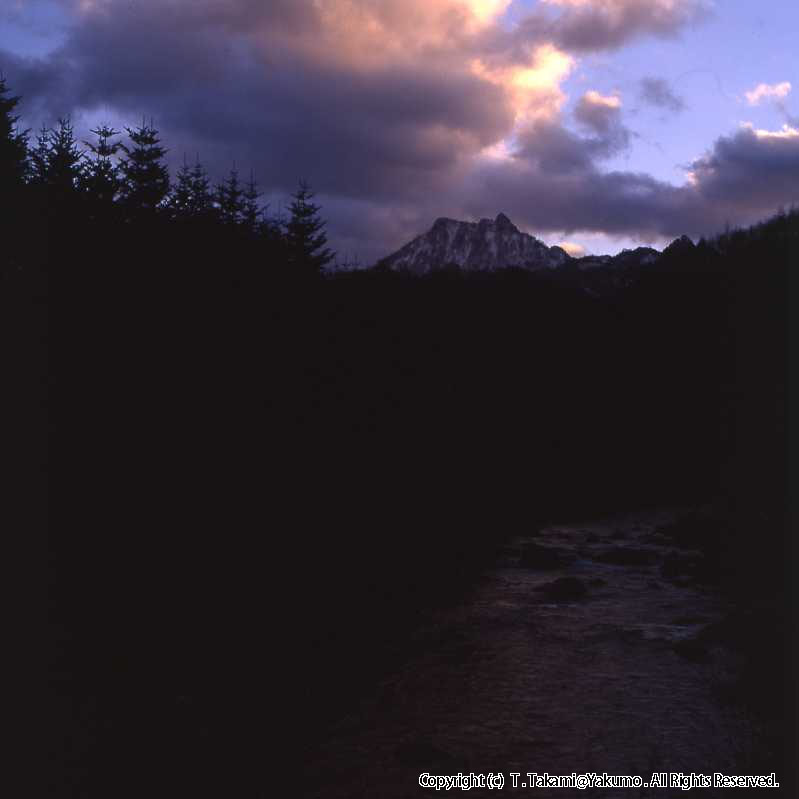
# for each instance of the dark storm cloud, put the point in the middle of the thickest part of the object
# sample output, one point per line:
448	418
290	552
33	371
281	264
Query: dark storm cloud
657	92
309	79
553	183
386	129
751	169
552	149
608	24
620	203
585	26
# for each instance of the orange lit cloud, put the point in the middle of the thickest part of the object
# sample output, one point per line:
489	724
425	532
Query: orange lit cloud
763	91
786	132
535	90
575	250
595	98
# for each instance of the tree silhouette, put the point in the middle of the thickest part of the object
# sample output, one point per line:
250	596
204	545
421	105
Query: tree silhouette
66	159
39	157
201	198
251	213
191	198
181	198
13	171
101	180
13	142
145	178
230	200
305	236
57	162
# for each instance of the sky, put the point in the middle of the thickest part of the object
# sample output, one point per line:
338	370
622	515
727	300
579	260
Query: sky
593	124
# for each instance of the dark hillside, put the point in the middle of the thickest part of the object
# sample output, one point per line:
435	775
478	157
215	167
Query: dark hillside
269	474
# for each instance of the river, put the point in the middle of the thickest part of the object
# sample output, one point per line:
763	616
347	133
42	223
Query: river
523	676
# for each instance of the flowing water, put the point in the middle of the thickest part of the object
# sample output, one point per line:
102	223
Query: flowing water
513	680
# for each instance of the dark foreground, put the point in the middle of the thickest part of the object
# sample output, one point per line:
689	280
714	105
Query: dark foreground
613	661
260	488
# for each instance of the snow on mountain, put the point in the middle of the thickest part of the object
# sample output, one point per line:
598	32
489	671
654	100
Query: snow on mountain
473	246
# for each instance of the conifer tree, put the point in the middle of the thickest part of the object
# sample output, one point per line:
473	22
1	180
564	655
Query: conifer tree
230	200
305	236
13	142
145	178
202	201
65	160
39	158
56	161
272	234
13	170
101	178
191	199
180	200
251	215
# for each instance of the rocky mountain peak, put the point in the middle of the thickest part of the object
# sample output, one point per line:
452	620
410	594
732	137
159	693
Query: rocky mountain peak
484	245
492	244
503	223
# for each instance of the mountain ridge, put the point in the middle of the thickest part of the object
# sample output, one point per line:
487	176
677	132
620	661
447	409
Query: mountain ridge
489	245
474	246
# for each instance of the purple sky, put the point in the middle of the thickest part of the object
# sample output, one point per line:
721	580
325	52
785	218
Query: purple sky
597	123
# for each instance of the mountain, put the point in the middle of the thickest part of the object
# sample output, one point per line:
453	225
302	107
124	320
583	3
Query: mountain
640	256
606	275
475	246
488	245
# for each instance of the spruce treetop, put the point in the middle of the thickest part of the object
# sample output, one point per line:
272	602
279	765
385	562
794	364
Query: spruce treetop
13	142
57	162
305	234
251	216
230	199
101	179
145	178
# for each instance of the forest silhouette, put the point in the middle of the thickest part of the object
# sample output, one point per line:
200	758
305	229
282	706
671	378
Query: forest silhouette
256	466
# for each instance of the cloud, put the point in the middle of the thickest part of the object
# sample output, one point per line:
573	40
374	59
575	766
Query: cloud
750	172
598	113
534	90
553	183
601	115
433	61
585	199
594	25
283	89
575	250
552	149
763	91
400	111
657	92
594	101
